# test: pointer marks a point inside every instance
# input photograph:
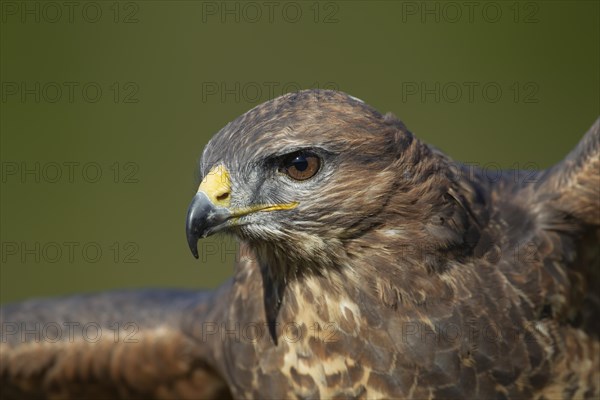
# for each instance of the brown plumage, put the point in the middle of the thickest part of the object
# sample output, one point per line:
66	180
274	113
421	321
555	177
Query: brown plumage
393	272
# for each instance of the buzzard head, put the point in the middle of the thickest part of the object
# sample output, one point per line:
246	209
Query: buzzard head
302	176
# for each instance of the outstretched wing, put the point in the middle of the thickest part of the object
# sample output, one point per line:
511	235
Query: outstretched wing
572	187
566	200
130	344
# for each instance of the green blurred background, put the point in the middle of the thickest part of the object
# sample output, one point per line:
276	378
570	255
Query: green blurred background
106	107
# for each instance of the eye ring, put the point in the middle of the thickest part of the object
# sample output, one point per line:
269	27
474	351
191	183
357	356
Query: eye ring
300	165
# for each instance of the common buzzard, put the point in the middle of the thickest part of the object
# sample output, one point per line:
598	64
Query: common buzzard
371	265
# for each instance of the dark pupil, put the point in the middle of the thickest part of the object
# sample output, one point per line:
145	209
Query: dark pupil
300	163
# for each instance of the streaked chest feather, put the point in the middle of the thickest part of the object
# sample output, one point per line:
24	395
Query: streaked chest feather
321	346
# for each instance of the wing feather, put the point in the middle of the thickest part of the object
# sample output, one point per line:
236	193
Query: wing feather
572	187
127	344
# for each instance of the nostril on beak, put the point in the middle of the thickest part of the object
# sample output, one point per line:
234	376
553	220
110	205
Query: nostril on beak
223	196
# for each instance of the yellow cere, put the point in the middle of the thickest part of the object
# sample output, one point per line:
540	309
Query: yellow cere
217	186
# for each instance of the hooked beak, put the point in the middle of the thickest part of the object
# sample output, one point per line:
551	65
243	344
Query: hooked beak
210	210
203	219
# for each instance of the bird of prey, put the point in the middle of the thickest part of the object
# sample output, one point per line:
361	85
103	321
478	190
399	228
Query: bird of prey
371	265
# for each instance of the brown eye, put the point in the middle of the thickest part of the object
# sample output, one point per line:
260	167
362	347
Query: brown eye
301	166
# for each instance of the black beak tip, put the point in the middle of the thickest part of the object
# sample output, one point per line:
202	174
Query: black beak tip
192	240
191	229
